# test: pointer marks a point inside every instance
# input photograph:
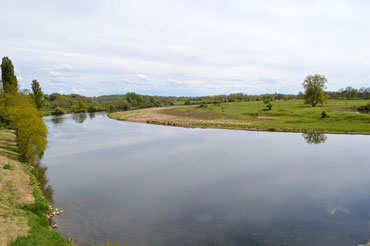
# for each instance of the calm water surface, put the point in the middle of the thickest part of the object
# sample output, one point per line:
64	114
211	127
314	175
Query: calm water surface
157	185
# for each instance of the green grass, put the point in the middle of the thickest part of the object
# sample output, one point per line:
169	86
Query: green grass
40	233
291	115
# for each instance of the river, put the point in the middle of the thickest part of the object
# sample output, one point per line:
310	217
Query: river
146	184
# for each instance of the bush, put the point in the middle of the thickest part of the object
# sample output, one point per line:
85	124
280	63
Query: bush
203	105
92	108
59	111
364	108
324	115
41	206
268	103
7	166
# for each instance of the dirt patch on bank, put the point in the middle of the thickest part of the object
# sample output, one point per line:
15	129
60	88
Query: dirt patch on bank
15	190
343	110
173	116
266	118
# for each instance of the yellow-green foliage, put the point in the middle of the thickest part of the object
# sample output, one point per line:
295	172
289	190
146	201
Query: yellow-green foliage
25	119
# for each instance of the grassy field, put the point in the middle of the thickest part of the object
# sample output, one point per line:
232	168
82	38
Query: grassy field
290	115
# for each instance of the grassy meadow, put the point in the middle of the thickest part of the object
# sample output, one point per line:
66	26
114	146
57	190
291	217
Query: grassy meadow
291	115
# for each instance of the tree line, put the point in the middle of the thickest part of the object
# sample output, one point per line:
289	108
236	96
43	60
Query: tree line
21	111
57	103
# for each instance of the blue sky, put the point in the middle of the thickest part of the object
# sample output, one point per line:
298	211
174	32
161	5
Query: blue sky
180	47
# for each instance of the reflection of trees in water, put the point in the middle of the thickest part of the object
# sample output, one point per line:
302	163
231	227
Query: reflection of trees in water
314	137
40	174
80	117
91	115
57	120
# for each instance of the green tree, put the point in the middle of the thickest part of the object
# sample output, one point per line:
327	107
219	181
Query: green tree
350	92
10	83
314	86
82	107
38	96
268	103
31	130
58	111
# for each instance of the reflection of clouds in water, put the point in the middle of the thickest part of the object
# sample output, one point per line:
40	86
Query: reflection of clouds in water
332	209
99	144
203	217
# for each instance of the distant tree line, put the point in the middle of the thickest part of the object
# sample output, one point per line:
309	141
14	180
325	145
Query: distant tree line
77	103
350	93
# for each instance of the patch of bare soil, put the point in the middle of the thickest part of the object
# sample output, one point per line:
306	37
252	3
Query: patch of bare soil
343	110
266	118
171	116
174	117
15	190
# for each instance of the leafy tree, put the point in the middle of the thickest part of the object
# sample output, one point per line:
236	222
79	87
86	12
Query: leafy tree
31	130
10	83
92	108
350	92
268	103
58	111
82	107
314	86
38	96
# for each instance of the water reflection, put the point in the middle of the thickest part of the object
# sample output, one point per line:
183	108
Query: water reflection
79	117
314	137
57	120
156	185
91	115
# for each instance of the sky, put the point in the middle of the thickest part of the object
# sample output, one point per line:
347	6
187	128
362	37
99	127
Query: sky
185	47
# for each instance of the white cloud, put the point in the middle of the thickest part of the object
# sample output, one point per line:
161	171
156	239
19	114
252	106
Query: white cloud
188	47
55	74
142	76
65	67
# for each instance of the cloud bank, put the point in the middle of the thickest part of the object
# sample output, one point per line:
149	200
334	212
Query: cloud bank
186	47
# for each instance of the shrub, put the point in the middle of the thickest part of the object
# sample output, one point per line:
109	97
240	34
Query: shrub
7	166
59	111
324	115
364	108
41	206
203	105
92	108
268	103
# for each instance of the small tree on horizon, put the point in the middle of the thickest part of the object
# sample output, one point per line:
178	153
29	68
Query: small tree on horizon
314	86
268	103
37	96
10	83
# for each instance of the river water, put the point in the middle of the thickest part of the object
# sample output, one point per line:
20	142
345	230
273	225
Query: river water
146	184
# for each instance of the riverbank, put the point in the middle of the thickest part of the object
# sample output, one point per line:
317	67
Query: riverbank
285	116
23	210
